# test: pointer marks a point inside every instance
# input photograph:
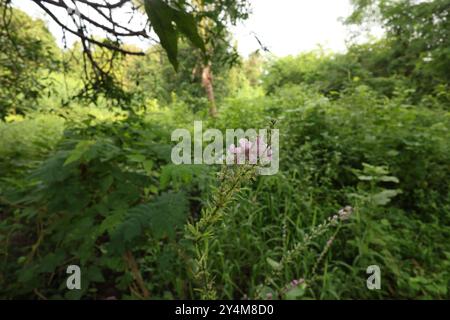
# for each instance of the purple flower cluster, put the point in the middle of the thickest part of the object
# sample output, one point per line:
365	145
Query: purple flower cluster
249	151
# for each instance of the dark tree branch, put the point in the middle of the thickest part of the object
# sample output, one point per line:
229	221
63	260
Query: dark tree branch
80	33
129	33
99	78
106	5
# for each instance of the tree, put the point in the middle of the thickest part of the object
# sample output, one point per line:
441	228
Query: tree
28	54
417	37
202	22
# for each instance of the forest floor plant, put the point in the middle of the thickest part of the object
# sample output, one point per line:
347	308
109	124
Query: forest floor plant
297	287
231	179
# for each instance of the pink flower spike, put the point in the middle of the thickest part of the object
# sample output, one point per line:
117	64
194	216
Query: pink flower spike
253	156
259	141
245	144
234	149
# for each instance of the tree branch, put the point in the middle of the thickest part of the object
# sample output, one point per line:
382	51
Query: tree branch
80	32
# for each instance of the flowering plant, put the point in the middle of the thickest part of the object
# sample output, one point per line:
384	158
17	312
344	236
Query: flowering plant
249	152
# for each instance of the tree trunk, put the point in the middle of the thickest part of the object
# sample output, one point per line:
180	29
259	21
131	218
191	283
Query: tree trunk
207	83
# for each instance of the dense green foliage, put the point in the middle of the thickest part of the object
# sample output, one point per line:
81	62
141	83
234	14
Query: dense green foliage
92	184
25	57
417	42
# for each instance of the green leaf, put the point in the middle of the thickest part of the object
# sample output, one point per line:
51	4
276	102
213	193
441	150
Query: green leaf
161	217
161	18
275	265
94	274
389	179
384	197
136	157
153	189
51	261
295	293
111	222
187	25
148	165
81	148
168	212
392	153
131	229
179	175
74	294
106	183
264	291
